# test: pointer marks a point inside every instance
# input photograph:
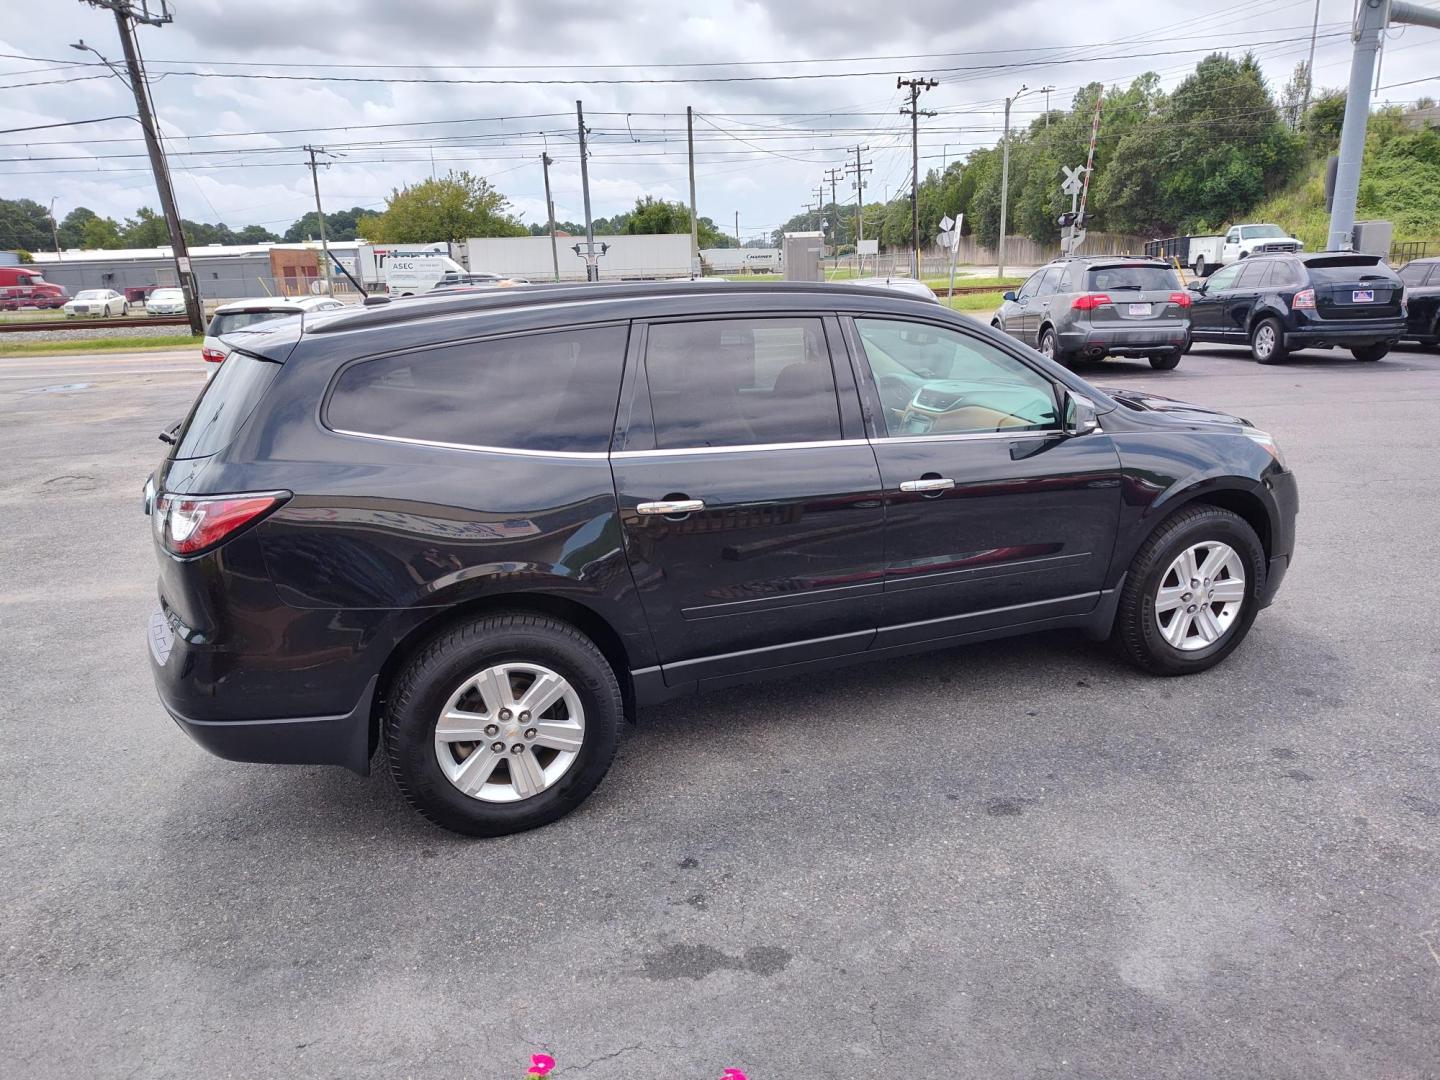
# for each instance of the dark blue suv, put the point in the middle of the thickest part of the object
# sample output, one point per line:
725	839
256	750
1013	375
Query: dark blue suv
1277	304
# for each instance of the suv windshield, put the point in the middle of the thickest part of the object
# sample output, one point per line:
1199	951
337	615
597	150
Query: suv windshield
225	322
1262	232
1136	277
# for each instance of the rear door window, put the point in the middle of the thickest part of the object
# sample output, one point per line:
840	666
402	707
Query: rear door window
740	382
1132	279
1255	275
225	404
554	391
1415	274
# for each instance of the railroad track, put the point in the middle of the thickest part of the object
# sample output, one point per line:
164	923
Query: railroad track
972	290
79	323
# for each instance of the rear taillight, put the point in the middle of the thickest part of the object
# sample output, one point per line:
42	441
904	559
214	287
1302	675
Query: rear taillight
188	526
212	356
1089	301
1180	299
1304	300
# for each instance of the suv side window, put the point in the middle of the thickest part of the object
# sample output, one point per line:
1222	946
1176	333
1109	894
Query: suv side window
1415	274
740	382
554	391
1254	275
1224	278
961	384
1050	282
1031	286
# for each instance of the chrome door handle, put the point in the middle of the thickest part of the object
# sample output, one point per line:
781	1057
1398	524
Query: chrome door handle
939	483
676	506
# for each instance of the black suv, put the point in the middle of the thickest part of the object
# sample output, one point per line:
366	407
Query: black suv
1422	300
483	528
1279	303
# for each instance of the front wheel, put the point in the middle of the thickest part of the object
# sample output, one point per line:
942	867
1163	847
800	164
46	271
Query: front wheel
1267	341
1191	593
503	724
1369	352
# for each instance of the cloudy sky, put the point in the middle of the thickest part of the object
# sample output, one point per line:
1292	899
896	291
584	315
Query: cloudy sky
780	89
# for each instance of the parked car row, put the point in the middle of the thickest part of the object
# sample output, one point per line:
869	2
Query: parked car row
1275	303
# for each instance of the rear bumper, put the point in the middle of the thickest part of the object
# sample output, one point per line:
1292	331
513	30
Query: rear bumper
1124	341
1345	333
342	739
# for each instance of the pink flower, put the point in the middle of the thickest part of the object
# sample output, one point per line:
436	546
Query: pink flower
733	1074
540	1064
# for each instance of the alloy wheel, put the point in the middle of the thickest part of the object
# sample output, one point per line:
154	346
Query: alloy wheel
1200	595
509	732
1047	345
1264	341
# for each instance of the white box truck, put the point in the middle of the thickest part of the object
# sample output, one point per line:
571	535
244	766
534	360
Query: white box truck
403	269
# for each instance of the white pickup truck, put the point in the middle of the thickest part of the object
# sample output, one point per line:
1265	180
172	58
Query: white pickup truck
1204	254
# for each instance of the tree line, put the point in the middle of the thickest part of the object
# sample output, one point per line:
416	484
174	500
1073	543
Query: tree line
1188	160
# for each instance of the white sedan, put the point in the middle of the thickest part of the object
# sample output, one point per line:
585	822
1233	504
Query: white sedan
101	303
165	302
243	313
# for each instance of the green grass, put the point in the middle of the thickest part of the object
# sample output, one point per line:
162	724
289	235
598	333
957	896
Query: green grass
100	345
974	302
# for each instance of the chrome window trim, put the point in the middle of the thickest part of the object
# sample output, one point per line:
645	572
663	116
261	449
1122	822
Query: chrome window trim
686	451
737	449
575	455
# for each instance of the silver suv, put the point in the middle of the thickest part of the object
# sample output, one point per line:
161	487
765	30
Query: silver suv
1097	306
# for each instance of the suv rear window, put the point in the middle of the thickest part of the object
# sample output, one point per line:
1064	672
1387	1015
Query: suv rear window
553	391
224	405
1343	268
1131	278
236	320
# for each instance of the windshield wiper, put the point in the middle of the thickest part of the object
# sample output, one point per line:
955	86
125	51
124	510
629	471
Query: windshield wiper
1117	288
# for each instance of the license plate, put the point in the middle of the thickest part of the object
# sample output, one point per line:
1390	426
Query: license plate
1362	296
1139	309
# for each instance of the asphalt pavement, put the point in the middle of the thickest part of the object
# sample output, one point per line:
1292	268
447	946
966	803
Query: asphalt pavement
1019	859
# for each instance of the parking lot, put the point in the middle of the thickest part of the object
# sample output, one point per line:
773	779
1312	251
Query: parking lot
1017	859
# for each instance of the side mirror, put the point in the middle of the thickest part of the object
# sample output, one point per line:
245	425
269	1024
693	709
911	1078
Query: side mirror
1080	418
1196	285
1009	295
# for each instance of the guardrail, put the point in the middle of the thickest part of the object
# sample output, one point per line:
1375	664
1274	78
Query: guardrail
17	326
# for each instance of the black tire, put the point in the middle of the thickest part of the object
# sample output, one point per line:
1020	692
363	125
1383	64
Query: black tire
1370	352
1276	352
1136	634
443	664
1200	266
1048	339
1166	361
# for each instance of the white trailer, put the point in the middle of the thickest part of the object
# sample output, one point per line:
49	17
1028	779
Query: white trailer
740	260
1205	254
663	255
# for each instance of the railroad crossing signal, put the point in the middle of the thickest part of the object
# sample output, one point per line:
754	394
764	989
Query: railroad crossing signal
1074	179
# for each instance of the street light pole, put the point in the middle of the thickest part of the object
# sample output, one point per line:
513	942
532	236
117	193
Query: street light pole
1005	179
54	228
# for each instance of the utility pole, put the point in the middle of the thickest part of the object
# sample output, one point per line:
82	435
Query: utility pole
1371	18
545	163
1005	179
694	221
1046	91
320	210
1309	67
915	86
833	175
858	170
54	228
592	269
737	229
125	18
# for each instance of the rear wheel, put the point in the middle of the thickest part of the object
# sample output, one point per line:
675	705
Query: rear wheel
1191	593
1050	347
503	724
1267	341
1370	352
1166	361
1200	266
